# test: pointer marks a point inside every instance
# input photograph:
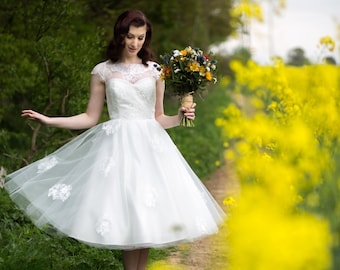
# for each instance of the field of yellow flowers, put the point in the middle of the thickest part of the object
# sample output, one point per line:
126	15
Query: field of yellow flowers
282	134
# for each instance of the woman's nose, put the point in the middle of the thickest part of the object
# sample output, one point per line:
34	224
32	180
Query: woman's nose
134	42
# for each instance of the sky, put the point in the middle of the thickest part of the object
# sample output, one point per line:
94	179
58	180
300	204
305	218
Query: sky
301	24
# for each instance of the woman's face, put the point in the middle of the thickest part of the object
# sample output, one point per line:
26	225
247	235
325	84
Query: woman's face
134	40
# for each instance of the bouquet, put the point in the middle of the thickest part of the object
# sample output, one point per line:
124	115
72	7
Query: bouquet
186	72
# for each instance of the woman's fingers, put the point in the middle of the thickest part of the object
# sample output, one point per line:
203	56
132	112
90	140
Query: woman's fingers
190	112
32	115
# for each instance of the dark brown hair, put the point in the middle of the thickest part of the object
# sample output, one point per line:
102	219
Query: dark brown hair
121	29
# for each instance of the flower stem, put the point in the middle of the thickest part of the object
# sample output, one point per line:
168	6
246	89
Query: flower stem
185	122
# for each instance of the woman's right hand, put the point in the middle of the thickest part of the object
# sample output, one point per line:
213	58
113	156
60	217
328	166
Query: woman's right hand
35	116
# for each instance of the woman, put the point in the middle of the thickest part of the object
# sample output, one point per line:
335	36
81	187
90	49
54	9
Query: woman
121	184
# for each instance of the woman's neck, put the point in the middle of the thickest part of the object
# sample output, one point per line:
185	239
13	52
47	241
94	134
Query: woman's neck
130	60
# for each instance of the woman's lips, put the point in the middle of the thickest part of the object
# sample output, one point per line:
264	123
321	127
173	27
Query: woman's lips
132	50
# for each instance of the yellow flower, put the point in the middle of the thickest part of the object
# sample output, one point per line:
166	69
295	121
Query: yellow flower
208	76
184	52
260	227
225	144
194	66
163	265
328	42
229	201
217	163
202	70
283	132
248	9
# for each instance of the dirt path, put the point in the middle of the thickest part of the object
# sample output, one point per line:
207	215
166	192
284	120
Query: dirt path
206	254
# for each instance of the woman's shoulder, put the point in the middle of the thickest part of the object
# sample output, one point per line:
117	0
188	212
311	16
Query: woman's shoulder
102	64
99	69
154	66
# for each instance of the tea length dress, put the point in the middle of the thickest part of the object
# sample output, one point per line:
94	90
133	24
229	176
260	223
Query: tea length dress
122	184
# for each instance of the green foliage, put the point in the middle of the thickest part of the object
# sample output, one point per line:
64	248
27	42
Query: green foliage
202	146
23	246
240	54
46	60
176	23
196	23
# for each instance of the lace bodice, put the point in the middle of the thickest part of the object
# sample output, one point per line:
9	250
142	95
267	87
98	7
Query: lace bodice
130	88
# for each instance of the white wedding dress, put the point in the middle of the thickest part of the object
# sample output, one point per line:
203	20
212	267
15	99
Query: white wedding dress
122	184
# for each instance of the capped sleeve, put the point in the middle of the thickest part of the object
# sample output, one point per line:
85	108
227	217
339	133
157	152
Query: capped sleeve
157	69
99	70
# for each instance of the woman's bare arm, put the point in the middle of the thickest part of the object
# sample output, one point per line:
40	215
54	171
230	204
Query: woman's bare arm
165	120
80	121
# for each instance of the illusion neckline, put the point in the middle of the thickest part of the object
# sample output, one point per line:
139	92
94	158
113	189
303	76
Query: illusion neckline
125	64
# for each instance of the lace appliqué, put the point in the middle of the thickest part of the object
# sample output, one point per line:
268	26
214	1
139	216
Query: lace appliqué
60	192
109	128
133	72
150	197
103	226
47	164
130	72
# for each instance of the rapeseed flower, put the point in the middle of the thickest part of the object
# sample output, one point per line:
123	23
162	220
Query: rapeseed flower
283	128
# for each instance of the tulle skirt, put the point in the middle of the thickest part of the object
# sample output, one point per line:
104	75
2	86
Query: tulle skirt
122	184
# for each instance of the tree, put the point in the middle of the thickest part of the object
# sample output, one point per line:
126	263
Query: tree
330	60
176	23
296	57
46	59
46	56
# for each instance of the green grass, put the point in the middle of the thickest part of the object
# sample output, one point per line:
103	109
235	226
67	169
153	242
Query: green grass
202	145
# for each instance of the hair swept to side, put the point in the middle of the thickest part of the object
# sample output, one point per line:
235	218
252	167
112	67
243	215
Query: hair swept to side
121	29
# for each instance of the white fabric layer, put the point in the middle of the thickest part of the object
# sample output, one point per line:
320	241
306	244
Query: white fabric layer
121	184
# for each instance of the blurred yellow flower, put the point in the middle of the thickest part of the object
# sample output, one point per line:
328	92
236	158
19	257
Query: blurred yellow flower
162	265
184	52
264	236
202	70
217	163
208	76
229	201
327	42
282	129
248	9
193	66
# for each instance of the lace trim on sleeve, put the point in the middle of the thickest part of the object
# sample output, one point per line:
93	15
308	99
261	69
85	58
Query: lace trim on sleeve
99	70
156	68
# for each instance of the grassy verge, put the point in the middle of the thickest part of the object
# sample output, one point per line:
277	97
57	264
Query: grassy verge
202	146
